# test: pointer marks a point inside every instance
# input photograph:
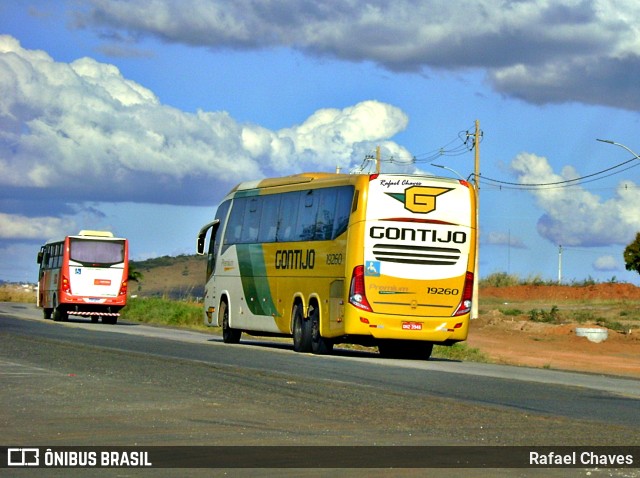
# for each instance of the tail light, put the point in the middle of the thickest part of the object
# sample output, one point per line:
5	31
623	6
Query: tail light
123	288
464	307
357	294
66	285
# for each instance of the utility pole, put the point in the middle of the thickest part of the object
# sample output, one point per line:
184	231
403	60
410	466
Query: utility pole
476	176
560	264
377	159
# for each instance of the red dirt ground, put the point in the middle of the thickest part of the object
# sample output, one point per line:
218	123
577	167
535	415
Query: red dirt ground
520	341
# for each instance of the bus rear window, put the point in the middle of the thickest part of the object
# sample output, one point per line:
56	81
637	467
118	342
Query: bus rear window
95	252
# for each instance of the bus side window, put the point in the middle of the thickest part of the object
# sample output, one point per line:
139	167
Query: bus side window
287	217
344	202
58	256
216	238
269	218
326	213
51	263
251	221
307	210
233	232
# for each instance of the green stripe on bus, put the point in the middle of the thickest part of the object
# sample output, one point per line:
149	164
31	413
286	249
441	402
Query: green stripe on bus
254	279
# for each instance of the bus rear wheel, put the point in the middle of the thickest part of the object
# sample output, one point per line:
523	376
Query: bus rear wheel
60	314
302	339
229	335
319	344
405	349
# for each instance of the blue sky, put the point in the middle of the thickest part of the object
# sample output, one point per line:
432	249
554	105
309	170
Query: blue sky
139	116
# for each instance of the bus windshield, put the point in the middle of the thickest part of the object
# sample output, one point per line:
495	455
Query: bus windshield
96	252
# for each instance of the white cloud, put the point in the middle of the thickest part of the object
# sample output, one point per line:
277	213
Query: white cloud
574	216
606	263
15	226
503	239
541	51
331	136
91	134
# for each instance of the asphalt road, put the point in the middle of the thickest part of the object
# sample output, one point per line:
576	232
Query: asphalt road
80	383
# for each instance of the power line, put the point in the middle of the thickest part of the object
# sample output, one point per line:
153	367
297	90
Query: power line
465	142
567	182
462	144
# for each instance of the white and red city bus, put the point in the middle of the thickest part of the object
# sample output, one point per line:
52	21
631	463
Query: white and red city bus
84	275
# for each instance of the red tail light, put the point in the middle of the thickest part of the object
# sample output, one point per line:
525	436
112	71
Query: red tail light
357	294
464	307
66	285
123	288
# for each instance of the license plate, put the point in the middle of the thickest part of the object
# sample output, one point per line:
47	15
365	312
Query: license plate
411	326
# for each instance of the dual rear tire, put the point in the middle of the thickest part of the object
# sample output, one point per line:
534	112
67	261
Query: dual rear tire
306	332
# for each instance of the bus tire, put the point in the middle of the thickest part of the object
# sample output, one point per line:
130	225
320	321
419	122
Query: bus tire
229	335
302	339
60	314
47	313
405	349
319	344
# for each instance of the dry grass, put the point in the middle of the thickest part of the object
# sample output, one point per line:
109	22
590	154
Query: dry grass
16	293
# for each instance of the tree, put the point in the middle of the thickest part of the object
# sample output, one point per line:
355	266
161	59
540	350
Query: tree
134	274
632	255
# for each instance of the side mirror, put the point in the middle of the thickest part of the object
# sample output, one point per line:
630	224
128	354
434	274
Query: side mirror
202	235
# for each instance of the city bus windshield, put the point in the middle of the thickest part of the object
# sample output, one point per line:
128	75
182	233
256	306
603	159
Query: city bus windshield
96	252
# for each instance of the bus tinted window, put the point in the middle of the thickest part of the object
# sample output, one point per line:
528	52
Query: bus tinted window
307	212
287	218
216	238
58	253
234	226
313	215
326	214
96	252
344	197
250	221
269	218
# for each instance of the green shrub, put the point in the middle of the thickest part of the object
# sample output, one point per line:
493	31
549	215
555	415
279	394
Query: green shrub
500	279
539	315
163	311
459	351
510	312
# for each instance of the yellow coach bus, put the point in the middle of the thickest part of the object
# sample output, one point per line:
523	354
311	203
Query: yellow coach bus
380	260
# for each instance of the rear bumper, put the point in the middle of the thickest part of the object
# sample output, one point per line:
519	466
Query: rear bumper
92	304
404	327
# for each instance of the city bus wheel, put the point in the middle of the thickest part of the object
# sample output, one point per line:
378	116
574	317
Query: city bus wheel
229	335
405	349
60	314
319	344
47	313
95	318
301	331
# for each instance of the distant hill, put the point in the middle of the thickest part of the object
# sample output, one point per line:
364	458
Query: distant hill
180	277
